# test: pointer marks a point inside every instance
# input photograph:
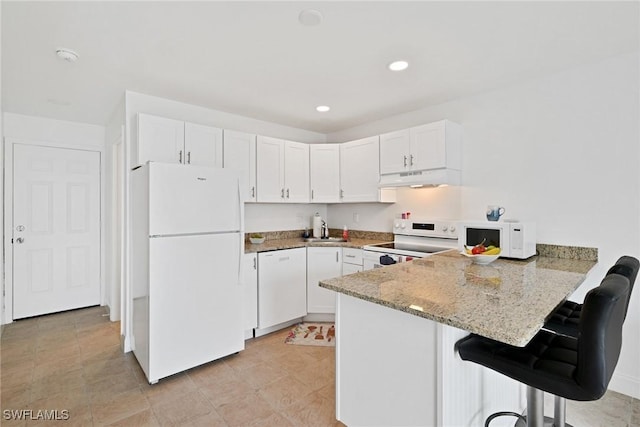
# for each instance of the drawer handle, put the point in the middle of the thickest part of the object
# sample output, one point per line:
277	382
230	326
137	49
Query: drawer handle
350	256
286	258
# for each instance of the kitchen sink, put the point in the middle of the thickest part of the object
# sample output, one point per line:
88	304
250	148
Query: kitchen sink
327	240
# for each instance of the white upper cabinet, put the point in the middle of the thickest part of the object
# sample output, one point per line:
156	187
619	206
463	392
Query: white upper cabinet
432	146
360	172
437	145
282	171
270	169
202	145
296	172
174	141
240	153
324	164
159	140
394	151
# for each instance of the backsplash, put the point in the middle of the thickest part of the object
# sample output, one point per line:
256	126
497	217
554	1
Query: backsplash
567	252
333	232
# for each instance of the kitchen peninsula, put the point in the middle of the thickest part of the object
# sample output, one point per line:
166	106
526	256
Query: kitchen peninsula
397	326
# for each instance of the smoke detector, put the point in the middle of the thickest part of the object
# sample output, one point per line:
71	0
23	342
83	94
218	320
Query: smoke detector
67	54
310	17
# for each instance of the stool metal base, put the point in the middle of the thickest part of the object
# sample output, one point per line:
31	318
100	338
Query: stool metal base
548	422
534	414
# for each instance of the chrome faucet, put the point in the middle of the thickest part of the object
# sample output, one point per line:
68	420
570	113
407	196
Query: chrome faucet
324	231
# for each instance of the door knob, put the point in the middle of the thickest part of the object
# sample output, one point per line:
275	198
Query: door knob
20	240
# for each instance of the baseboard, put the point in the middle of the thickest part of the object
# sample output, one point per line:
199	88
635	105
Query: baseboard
626	385
260	332
320	317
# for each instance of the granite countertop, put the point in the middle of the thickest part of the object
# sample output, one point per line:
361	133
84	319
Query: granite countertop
507	300
298	242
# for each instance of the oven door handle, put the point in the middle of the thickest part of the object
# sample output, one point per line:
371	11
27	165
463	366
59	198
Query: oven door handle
387	260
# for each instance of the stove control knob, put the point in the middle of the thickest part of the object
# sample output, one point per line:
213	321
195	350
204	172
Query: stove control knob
445	228
452	229
396	225
403	225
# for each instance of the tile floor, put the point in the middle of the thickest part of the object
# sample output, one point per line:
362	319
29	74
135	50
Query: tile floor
72	361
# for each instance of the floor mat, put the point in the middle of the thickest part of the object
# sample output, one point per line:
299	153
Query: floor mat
321	334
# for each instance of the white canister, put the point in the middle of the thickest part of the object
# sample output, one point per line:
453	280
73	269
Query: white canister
317	225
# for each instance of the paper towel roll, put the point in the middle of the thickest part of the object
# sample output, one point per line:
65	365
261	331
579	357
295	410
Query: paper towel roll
317	225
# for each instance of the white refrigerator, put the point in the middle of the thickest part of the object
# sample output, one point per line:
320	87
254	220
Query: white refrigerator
187	246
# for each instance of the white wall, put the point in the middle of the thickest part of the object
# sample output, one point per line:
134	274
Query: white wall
42	131
114	146
562	151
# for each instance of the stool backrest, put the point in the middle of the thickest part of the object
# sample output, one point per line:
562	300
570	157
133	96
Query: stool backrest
627	266
600	333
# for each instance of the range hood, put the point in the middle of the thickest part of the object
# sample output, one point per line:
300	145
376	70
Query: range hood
421	178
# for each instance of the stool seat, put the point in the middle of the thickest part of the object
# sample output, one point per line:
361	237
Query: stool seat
548	362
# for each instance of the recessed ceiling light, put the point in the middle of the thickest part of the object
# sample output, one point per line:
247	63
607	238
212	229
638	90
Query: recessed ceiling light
398	65
322	108
60	102
67	54
310	17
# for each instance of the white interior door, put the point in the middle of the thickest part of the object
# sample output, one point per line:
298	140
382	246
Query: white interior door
56	229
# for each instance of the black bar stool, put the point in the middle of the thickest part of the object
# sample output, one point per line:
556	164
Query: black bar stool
564	320
576	369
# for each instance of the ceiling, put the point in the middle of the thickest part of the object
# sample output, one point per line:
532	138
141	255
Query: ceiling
255	59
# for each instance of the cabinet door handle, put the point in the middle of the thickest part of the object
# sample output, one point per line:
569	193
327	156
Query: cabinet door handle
180	157
255	263
311	194
341	193
253	191
405	161
287	193
410	159
337	260
189	157
282	193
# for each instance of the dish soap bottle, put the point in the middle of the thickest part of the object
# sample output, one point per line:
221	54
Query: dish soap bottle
345	233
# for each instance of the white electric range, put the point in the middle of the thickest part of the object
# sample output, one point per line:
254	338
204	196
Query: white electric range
412	239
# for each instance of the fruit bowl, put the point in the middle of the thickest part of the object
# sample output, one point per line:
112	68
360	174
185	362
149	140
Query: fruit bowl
482	259
256	240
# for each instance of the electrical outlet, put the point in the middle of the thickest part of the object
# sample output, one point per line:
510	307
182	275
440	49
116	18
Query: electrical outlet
356	217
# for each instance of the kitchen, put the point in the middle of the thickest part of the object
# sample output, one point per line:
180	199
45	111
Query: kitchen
552	149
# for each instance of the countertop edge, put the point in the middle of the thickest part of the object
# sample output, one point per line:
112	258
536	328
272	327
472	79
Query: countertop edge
283	244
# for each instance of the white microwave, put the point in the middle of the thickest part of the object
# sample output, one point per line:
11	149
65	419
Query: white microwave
515	239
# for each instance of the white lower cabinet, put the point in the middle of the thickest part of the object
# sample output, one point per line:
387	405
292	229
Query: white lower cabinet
250	293
351	261
322	263
282	286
